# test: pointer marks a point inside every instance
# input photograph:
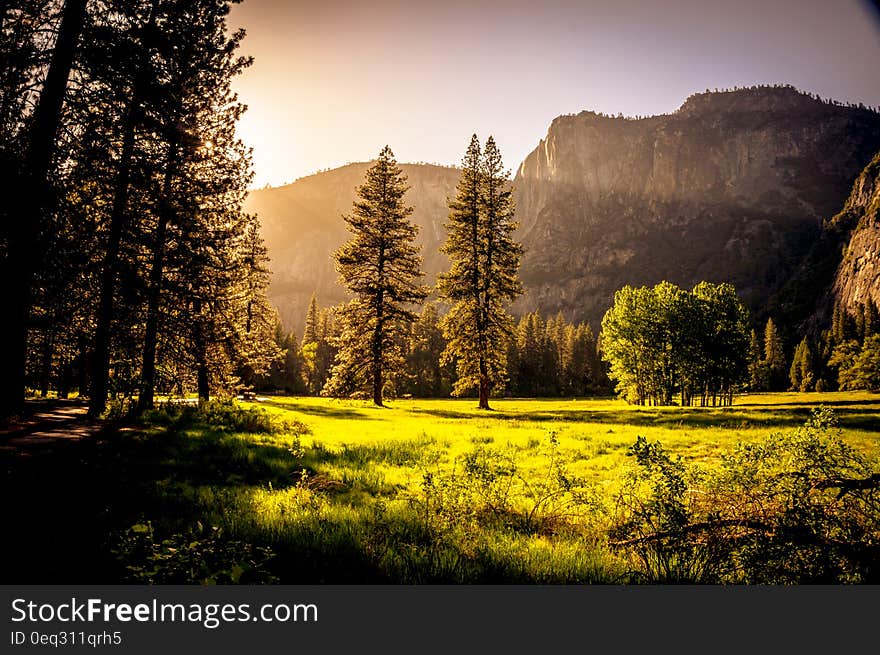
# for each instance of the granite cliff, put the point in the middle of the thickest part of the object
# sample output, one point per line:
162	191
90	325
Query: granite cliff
858	276
732	187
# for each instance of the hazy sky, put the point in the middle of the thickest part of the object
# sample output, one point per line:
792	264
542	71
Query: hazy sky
335	80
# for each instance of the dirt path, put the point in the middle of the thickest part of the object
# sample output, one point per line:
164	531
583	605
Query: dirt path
46	425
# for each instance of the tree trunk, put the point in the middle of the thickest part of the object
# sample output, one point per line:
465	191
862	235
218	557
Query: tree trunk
201	348
151	336
26	214
64	378
377	336
484	385
101	361
377	386
46	364
202	376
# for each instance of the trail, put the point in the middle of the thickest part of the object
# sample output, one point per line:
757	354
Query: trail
47	425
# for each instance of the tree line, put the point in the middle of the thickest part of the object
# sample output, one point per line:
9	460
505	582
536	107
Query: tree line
545	358
845	356
130	266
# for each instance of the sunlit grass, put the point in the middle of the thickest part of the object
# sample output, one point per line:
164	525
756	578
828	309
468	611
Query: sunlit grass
593	434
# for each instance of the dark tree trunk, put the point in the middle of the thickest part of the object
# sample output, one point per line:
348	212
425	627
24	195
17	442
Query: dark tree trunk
46	364
201	347
101	357
377	337
64	378
202	382
484	385
151	336
26	215
202	379
377	386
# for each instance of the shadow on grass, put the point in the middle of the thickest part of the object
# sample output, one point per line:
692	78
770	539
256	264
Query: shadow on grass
71	504
396	453
70	500
319	410
851	415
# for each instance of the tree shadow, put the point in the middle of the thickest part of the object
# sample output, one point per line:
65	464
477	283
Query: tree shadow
742	416
322	411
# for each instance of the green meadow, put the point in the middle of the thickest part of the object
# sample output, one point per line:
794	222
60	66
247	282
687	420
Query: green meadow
313	490
593	434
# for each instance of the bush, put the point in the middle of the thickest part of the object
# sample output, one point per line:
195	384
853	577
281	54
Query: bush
225	415
485	488
800	507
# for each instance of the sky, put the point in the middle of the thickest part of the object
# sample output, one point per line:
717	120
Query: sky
333	81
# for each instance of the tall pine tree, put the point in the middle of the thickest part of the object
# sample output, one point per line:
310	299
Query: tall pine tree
774	357
483	278
381	266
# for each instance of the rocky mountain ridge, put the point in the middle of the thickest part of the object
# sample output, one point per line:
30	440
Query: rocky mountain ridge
733	187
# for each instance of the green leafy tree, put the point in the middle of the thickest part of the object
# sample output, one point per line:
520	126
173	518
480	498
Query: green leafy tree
664	340
482	279
381	266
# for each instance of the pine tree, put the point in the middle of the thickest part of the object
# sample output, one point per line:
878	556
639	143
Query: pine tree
381	266
194	114
872	320
325	349
757	370
310	333
580	370
801	372
27	188
531	357
483	278
774	356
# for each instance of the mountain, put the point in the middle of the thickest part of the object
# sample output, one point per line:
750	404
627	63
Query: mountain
302	225
732	187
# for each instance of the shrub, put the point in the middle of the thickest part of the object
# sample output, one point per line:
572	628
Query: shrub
798	507
225	415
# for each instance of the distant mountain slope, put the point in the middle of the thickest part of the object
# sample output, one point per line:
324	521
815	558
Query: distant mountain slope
734	186
303	225
731	187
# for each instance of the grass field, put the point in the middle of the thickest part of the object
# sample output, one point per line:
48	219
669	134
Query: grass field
593	434
311	490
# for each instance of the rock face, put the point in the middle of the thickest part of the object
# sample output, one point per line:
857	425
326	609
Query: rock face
302	225
858	276
732	187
